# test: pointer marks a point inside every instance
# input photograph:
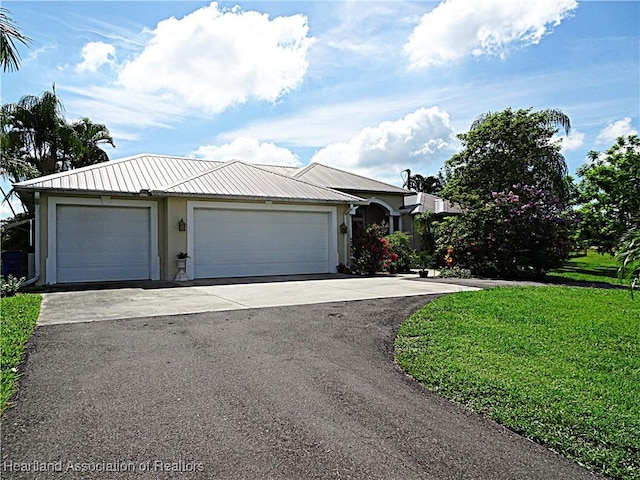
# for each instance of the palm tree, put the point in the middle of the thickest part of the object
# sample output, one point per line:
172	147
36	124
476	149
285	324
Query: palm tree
90	136
31	130
551	117
9	35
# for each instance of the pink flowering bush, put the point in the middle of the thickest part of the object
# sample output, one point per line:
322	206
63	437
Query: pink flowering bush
523	232
372	252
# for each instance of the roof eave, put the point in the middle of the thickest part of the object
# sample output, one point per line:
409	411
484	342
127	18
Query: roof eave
260	198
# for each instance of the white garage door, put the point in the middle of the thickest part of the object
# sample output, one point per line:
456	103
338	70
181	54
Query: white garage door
95	243
235	243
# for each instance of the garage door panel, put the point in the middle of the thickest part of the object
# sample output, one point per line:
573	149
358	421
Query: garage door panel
247	243
97	243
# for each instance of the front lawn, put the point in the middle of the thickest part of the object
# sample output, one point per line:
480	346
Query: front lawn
560	365
18	316
592	268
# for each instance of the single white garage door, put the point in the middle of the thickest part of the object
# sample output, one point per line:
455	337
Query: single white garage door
96	243
236	243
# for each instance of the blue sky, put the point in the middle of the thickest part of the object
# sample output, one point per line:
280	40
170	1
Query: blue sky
372	87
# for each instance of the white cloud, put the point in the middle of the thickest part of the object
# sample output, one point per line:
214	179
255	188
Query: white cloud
611	132
420	141
573	141
95	55
249	150
212	59
457	28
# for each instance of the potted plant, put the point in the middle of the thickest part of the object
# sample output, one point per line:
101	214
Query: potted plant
181	263
424	262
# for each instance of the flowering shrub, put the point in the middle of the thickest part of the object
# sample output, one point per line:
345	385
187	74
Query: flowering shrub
10	286
401	247
520	233
372	252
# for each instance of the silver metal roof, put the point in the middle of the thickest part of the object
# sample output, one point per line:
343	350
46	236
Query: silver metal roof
333	178
170	175
164	175
127	175
236	179
422	202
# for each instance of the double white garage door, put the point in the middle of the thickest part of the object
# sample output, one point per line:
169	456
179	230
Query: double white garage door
101	243
232	243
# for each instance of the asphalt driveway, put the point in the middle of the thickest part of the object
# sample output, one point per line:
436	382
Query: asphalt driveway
296	392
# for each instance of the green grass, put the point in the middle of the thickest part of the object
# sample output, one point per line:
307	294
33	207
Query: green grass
592	268
18	316
560	365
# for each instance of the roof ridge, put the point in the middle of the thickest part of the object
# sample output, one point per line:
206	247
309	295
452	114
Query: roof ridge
314	164
294	178
195	175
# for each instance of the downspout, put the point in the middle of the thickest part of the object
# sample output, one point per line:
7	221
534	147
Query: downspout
36	272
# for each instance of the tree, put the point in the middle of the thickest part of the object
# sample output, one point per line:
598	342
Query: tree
610	194
90	136
9	36
507	148
430	184
35	131
523	232
36	139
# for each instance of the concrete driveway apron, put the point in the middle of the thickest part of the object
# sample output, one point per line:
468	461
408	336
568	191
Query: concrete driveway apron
90	305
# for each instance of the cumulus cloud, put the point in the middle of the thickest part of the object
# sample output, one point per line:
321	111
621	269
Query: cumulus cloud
95	55
458	28
611	132
249	150
573	141
212	59
421	140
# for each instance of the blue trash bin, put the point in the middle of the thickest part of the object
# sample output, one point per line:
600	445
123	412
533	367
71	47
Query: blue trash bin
12	263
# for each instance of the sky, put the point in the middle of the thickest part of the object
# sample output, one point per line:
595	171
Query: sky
372	87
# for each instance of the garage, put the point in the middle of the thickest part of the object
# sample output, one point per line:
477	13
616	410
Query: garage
235	242
102	243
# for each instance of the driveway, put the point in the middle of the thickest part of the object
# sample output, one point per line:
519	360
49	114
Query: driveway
85	303
289	392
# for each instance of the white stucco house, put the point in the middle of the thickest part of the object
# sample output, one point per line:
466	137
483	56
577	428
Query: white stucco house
127	219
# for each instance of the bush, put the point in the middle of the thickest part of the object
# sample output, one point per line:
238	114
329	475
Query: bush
521	233
372	252
401	246
10	286
455	272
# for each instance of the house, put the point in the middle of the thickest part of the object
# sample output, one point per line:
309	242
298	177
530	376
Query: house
421	202
127	219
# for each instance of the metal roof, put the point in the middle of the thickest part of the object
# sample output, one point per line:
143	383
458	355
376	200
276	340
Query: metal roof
127	175
236	179
169	175
422	202
333	178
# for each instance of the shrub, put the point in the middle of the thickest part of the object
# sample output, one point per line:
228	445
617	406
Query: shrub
372	253
10	286
400	245
455	272
520	233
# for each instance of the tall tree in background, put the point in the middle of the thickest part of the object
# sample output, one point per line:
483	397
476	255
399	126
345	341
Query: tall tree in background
10	35
610	194
430	184
507	148
37	140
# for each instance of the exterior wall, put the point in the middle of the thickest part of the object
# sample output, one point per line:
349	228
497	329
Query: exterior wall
170	240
